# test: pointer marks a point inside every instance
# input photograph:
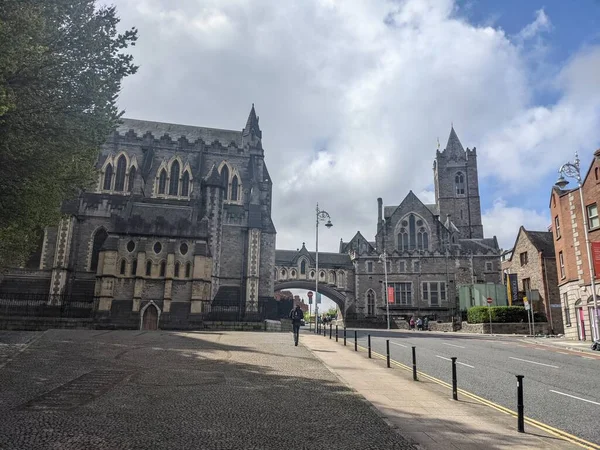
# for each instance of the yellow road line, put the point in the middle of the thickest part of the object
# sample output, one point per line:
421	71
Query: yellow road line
547	428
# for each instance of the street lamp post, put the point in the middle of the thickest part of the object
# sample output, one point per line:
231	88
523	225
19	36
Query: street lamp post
321	217
383	260
572	170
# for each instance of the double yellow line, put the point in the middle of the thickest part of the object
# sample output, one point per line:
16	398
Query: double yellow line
542	426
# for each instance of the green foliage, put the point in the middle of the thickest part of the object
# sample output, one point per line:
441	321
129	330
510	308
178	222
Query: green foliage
500	314
61	67
331	312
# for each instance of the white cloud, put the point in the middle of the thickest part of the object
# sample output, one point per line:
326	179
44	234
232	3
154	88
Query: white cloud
504	221
353	95
540	24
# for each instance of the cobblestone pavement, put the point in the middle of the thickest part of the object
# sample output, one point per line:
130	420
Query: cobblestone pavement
80	389
12	342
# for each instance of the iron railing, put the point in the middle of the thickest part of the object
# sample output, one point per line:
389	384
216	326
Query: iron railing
47	305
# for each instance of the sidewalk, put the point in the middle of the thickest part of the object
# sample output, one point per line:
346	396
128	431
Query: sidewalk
566	344
424	411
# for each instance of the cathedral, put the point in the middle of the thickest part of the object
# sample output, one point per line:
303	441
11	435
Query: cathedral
430	249
179	218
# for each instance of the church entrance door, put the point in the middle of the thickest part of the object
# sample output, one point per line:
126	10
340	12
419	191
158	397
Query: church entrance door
150	321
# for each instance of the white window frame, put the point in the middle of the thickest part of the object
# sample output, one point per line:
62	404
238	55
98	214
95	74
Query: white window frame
592	218
557	227
561	263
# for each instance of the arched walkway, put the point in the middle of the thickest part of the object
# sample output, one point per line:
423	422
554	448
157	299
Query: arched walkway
333	294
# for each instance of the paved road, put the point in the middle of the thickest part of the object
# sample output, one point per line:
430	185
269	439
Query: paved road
562	388
80	389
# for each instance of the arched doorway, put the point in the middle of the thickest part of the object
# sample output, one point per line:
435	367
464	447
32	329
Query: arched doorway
149	317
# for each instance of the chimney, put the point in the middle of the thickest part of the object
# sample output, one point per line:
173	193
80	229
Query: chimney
379	210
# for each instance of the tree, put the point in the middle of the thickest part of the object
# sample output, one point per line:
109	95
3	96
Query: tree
61	67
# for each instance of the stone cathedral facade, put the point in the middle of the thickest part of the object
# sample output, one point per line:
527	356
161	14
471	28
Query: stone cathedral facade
432	249
180	218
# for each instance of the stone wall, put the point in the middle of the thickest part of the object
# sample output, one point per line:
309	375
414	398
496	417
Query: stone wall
504	328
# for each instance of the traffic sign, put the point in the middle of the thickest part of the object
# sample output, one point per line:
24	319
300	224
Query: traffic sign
310	294
490	300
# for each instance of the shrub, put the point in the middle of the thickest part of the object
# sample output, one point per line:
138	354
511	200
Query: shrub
500	314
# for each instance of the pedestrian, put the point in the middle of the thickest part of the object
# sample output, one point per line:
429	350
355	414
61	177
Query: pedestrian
412	323
426	323
296	315
419	324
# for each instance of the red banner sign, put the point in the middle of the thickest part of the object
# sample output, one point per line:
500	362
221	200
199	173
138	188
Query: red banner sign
596	257
390	294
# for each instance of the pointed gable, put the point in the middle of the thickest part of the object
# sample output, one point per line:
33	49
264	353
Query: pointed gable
252	127
358	244
213	178
454	149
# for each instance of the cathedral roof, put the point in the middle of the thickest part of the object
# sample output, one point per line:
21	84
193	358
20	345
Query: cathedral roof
479	245
191	133
453	147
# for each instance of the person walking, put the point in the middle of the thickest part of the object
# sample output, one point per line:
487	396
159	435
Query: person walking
296	315
420	324
412	323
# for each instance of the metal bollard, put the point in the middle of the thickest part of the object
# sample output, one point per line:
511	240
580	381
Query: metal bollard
387	349
324	331
414	356
344	336
520	406
369	341
355	340
330	330
454	382
336	333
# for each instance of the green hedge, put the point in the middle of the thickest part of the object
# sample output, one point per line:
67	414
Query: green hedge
500	314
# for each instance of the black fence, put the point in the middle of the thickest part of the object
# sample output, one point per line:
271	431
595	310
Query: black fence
268	308
45	305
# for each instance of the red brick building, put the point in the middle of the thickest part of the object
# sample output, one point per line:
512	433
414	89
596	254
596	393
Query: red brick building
572	265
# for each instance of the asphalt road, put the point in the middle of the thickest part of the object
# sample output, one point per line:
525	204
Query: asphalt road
561	388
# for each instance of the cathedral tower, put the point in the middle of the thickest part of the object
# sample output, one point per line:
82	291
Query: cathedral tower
457	187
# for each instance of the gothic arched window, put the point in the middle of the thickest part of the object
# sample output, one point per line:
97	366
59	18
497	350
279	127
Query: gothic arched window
163	269
162	182
174	181
134	267
234	189
177	270
370	302
413	234
120	177
123	266
333	278
188	270
108	173
148	268
131	181
225	181
459	181
99	238
303	267
185	184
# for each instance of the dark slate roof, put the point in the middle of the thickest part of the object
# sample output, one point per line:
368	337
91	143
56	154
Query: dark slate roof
478	245
286	258
175	131
454	147
433	208
543	241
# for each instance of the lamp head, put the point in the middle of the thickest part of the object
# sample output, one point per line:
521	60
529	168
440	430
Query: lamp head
561	182
329	224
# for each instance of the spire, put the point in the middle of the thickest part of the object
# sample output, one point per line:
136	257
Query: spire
454	147
252	127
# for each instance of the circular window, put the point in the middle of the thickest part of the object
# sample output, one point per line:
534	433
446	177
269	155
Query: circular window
183	248
130	246
157	247
419	222
402	230
405	223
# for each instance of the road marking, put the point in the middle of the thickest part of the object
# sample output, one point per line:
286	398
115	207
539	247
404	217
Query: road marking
564	353
588	357
458	362
441	357
578	398
401	345
452	345
533	362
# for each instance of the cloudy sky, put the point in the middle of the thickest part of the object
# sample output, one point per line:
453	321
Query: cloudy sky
353	96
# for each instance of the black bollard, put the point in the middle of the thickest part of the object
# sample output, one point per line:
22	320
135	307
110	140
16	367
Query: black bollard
369	341
324	331
330	330
355	340
520	406
336	333
344	336
414	356
387	349
454	382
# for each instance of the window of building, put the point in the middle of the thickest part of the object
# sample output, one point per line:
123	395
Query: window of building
413	234
489	266
333	278
293	273
388	266
185	184
403	293
557	227
134	267
123	267
434	292
596	173
234	188
592	212
183	248
157	247
108	173
401	266
162	182
526	284
312	273
303	267
370	266
283	273
99	238
148	268
174	179
416	266
561	264
130	246
322	275
188	270
566	309
370	303
120	176
225	181
176	272
523	258
131	182
163	269
459	182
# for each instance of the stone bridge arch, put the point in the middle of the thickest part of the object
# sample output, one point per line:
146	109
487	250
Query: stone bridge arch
338	297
